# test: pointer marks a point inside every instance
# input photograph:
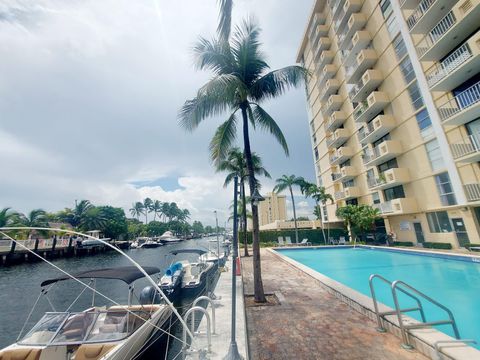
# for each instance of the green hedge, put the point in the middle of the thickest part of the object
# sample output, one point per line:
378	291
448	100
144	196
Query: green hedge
437	245
468	246
315	236
402	243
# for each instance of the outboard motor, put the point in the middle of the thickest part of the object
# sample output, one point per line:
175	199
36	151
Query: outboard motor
149	295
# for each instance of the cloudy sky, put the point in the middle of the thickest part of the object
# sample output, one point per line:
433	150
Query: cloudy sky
89	95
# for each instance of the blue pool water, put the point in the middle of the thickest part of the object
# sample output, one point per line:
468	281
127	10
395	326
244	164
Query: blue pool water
453	283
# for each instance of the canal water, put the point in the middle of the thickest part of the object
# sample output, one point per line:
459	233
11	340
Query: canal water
20	287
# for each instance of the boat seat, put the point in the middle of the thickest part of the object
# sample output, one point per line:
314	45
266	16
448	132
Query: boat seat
21	354
92	351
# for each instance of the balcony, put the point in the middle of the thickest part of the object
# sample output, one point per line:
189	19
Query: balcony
335	120
336	6
383	152
347	193
339	137
345	173
390	178
360	41
457	67
326	58
449	31
427	13
472	191
397	206
462	108
318	19
334	103
370	80
327	73
377	128
349	7
324	43
368	109
321	31
467	151
365	60
356	22
331	87
341	154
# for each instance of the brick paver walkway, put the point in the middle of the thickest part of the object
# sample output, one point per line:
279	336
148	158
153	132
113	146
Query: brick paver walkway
310	323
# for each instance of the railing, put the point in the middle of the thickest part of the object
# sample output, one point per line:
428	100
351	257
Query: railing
373	182
470	146
336	176
360	109
472	191
356	88
436	33
420	10
385	207
372	155
339	195
452	62
462	101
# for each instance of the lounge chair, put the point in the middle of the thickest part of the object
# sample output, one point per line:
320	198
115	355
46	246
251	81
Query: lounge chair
342	241
332	241
280	241
305	242
288	241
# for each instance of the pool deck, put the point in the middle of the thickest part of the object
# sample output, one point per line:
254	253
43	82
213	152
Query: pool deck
309	322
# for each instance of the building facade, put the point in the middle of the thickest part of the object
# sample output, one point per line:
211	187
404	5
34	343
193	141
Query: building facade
394	112
272	209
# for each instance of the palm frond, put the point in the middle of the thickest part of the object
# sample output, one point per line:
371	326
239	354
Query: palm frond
229	178
225	19
265	121
276	82
213	55
223	139
280	186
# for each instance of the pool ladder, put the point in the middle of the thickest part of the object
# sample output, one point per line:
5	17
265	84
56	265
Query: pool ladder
415	294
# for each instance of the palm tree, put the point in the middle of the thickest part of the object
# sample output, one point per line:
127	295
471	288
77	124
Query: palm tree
235	165
287	182
156	208
147	205
35	218
94	219
7	217
241	82
137	209
225	19
319	194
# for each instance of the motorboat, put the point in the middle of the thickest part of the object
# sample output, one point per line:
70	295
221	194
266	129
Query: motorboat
169	238
197	276
145	242
107	333
171	281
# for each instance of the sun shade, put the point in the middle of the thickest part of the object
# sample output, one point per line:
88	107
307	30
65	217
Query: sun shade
127	274
188	251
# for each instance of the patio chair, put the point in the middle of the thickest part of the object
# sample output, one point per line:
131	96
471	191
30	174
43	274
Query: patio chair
288	241
280	241
341	241
332	241
305	242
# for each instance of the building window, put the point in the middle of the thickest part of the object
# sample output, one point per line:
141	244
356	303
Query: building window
447	196
390	164
352	202
415	96
395	192
435	155
438	222
424	123
316	153
325	213
399	47
376	198
348	183
407	70
386	8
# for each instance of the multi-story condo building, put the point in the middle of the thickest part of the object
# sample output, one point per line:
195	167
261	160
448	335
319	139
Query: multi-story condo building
272	209
394	111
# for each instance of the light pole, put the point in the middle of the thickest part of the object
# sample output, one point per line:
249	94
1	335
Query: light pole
233	353
218	241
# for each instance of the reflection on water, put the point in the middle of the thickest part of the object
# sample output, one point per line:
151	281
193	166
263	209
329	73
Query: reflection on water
20	286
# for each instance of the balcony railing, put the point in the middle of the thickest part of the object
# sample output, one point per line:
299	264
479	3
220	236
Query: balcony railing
460	102
336	176
366	130
371	155
449	64
436	33
374	182
360	109
472	191
470	146
420	10
385	207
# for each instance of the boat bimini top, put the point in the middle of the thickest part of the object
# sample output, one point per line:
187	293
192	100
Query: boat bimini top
188	251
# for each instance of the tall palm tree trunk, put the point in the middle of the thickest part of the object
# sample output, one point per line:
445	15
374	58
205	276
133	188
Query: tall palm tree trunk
321	220
294	214
257	268
244	220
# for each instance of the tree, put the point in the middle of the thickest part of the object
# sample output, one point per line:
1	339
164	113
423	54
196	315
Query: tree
347	214
360	218
147	205
74	216
319	194
115	224
137	209
156	228
235	165
7	217
241	82
287	182
35	218
318	214
156	209
94	219
197	228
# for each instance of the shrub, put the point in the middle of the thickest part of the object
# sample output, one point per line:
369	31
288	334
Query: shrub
403	243
314	236
437	245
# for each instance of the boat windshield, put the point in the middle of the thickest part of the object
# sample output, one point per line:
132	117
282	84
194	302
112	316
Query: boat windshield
85	327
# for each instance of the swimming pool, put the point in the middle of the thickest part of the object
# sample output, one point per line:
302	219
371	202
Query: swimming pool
454	283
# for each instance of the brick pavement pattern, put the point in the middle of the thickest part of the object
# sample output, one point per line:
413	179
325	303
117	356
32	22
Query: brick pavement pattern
310	323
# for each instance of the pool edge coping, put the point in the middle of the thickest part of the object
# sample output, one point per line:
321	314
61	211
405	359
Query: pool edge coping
422	339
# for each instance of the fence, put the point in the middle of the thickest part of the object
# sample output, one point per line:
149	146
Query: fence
314	236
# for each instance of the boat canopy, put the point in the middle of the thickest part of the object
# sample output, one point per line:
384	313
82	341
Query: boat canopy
188	251
127	274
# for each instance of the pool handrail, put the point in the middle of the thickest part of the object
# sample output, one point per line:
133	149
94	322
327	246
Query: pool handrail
404	328
379	314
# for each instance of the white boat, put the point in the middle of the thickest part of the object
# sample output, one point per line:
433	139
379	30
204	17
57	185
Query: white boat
90	243
107	333
145	242
169	238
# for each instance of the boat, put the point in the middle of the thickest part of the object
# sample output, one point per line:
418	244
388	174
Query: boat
169	238
145	242
197	276
107	333
171	281
92	243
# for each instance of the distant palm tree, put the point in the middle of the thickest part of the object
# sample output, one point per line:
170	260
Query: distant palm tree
236	165
287	182
7	217
137	209
35	218
94	219
319	194
241	82
147	205
156	208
